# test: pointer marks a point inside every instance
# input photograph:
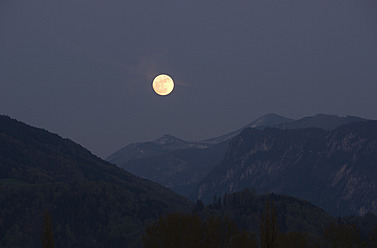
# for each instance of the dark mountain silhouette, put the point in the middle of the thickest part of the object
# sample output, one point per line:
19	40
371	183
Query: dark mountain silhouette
95	204
92	203
181	165
335	169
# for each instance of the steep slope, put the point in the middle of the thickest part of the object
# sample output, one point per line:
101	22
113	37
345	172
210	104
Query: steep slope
335	170
93	203
178	164
180	170
181	165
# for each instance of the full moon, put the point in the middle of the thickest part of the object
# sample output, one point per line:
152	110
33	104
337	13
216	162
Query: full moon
163	85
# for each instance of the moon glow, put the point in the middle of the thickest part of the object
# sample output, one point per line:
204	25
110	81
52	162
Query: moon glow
163	85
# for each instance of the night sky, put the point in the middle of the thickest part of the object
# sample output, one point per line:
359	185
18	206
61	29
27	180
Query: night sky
83	69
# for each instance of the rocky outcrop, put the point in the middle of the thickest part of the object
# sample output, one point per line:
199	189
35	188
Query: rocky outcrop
335	170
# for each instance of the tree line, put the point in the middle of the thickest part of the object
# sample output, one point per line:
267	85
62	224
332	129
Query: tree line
192	231
203	228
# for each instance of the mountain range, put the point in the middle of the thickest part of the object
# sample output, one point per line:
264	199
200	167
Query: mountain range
334	169
178	164
94	203
182	165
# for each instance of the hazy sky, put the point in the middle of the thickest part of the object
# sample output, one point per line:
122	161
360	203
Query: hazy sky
84	69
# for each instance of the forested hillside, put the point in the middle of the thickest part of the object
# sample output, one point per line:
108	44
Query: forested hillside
248	220
92	202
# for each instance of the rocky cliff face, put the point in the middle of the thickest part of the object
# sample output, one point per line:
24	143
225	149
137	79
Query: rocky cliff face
181	165
335	170
178	164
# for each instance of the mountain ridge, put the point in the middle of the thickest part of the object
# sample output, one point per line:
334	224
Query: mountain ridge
96	204
333	169
270	119
89	198
324	121
181	165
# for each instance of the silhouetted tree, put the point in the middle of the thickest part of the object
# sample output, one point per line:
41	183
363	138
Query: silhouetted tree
175	230
189	231
219	232
199	206
269	230
48	232
343	236
372	238
216	204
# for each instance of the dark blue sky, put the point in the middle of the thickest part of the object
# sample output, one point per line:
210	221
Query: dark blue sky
84	69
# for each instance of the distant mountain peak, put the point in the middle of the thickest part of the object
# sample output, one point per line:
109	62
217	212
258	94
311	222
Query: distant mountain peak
270	119
267	120
167	139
